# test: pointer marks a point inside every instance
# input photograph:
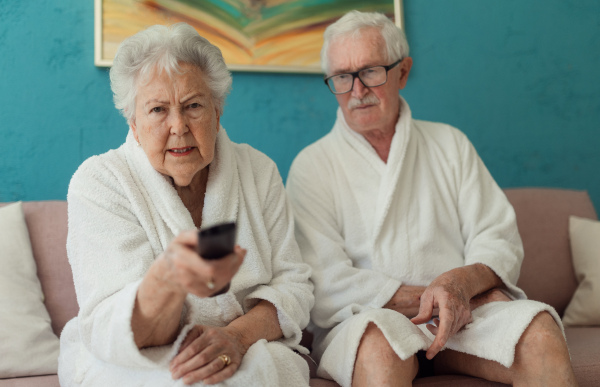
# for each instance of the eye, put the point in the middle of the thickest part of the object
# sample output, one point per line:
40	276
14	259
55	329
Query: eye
157	109
194	105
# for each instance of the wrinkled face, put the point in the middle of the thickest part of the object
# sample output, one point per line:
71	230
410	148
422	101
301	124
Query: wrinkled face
365	108
176	123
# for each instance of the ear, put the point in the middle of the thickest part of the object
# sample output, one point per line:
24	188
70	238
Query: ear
404	67
218	113
133	127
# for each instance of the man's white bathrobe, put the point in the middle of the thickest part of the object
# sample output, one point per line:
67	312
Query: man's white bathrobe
123	214
367	227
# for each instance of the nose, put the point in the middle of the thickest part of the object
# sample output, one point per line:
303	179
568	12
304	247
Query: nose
177	123
358	89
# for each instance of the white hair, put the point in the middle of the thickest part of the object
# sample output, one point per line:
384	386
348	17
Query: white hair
350	25
161	48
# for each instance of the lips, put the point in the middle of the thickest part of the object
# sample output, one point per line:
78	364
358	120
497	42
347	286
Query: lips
178	152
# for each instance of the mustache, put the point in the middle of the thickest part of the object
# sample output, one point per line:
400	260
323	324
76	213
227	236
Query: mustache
367	100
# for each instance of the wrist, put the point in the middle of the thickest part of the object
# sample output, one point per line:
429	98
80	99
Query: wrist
239	336
478	278
157	289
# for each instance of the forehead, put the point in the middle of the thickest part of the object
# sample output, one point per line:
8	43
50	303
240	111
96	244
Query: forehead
350	53
186	79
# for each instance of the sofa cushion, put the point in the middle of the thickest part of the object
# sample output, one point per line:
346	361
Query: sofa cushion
25	332
542	218
584	347
584	308
32	381
47	223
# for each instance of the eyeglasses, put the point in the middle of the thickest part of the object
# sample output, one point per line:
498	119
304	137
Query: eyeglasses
370	77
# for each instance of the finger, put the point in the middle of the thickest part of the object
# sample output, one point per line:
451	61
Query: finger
201	361
222	375
443	333
433	329
192	335
192	349
213	367
188	238
425	309
239	252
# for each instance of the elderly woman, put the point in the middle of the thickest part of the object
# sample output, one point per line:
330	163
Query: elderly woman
152	311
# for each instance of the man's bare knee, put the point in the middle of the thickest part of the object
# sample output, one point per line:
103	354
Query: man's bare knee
542	335
542	353
377	364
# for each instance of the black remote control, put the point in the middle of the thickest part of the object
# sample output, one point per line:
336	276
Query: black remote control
217	241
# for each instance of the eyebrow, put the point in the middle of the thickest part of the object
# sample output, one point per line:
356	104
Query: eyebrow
165	102
348	71
196	95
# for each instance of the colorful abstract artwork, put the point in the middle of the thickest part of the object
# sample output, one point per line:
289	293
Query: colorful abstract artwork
254	35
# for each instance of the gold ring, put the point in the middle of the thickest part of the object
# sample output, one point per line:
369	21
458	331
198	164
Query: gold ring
225	359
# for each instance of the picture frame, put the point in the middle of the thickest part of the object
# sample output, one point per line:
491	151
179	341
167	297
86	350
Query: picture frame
286	38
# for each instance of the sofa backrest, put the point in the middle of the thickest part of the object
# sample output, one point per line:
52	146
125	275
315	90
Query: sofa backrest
47	224
547	272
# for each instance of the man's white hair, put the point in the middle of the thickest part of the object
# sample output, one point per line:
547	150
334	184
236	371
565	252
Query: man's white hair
350	26
161	48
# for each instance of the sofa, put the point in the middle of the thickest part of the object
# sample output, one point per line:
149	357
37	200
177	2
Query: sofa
547	275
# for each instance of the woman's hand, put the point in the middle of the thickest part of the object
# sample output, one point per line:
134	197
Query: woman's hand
177	272
208	354
186	271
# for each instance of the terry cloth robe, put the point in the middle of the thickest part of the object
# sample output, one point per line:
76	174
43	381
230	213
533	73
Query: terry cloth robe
367	227
122	216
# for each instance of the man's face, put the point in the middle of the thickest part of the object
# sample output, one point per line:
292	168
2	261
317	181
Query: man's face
375	108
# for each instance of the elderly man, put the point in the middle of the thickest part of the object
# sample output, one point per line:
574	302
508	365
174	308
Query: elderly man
413	245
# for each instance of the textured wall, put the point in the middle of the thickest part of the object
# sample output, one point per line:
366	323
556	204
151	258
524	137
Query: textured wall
520	78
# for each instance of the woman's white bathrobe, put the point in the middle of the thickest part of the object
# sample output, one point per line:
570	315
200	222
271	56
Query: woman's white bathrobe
123	214
367	227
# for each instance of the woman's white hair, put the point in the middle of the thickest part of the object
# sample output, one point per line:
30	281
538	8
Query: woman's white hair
161	48
350	25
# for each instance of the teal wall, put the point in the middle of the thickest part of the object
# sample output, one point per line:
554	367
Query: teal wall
520	78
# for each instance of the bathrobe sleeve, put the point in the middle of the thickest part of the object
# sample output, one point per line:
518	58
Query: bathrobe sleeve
488	221
288	288
341	290
109	253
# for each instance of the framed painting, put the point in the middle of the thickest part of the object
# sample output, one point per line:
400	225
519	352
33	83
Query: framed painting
254	35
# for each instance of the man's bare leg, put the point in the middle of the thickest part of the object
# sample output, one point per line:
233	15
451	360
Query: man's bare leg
378	365
541	359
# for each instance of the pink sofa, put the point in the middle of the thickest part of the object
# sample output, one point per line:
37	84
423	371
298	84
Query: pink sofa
547	275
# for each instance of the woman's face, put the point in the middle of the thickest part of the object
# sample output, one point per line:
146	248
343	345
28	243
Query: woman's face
176	123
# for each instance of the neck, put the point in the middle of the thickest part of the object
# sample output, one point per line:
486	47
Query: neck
381	138
192	195
381	141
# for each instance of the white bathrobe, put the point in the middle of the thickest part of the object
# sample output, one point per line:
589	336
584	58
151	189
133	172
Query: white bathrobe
367	227
123	214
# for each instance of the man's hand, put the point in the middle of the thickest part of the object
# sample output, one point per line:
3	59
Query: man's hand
447	293
491	295
406	300
452	293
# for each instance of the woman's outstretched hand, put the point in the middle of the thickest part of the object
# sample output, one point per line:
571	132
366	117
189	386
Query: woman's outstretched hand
208	354
186	271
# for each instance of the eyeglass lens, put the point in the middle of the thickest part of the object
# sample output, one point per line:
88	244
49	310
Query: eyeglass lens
371	77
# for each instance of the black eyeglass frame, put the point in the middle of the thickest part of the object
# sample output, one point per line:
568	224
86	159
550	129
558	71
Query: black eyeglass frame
355	75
